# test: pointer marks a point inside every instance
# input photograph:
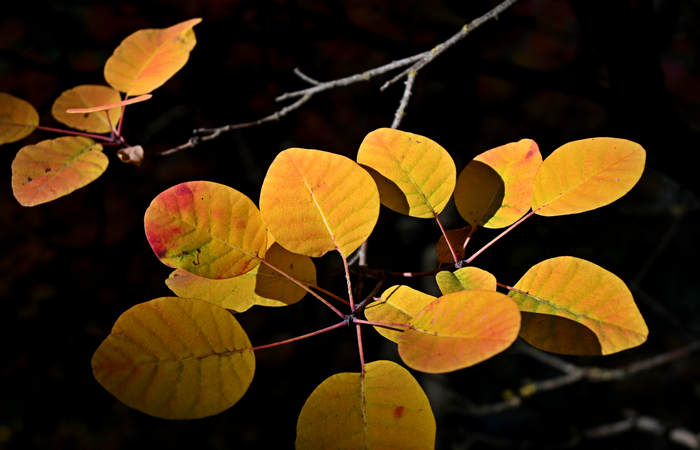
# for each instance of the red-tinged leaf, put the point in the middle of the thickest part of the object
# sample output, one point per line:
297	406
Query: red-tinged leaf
385	409
414	174
586	174
86	96
466	278
495	189
206	228
119	104
314	201
176	358
398	304
585	294
261	286
18	118
53	168
148	58
459	330
457	238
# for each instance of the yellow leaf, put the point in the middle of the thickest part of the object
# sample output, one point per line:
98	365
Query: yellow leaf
464	279
384	409
495	189
586	174
585	294
176	358
148	58
261	286
206	228
18	118
85	96
414	174
314	201
53	168
459	330
399	304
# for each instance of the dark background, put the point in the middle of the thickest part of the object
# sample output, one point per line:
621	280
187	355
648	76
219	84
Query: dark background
549	70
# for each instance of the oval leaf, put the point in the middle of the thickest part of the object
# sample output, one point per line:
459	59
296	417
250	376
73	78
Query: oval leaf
53	168
86	96
18	118
314	201
416	175
459	330
457	238
206	228
261	286
586	174
495	189
466	278
399	304
584	293
384	409
176	358
148	58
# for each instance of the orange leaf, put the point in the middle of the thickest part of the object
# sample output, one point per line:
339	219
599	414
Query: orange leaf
148	58
87	95
261	286
457	238
206	228
176	358
53	168
414	174
459	330
119	104
386	408
586	174
18	118
398	304
465	278
314	201
585	294
495	189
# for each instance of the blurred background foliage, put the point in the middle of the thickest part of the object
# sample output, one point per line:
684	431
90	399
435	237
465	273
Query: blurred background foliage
550	70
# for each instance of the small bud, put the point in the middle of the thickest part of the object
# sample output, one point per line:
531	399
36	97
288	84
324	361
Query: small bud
131	155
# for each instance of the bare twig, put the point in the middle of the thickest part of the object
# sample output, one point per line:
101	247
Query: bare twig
401	110
646	424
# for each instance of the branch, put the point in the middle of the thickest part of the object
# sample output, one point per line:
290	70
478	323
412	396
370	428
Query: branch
646	424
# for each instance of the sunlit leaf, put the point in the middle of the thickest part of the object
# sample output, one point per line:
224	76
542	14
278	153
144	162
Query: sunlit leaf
130	101
414	174
398	304
464	279
261	286
586	294
176	358
86	96
587	174
314	201
18	118
385	409
495	189
459	330
148	58
457	238
206	228
53	168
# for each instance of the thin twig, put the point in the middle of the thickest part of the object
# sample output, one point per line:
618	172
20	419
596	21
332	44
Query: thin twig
646	424
401	110
305	77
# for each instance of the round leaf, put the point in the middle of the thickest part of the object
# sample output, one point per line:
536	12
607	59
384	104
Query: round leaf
314	201
465	278
261	286
459	330
585	294
206	228
384	409
53	168
176	358
399	304
18	118
86	96
586	174
495	189
414	174
148	58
